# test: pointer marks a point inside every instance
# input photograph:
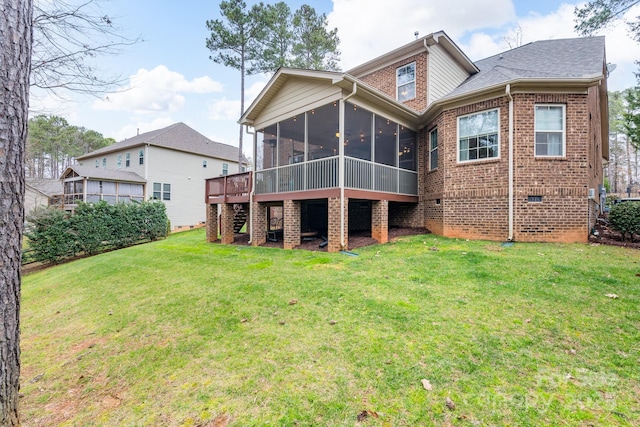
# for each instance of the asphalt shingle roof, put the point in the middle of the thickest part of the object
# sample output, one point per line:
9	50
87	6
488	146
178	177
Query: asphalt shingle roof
106	174
50	187
546	59
176	137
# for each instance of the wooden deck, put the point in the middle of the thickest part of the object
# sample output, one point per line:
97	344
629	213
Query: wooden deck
234	188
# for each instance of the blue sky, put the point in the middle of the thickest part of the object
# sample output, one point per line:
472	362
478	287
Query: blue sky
169	77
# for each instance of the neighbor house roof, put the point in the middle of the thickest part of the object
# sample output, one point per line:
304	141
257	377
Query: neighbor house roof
562	60
103	174
45	186
178	137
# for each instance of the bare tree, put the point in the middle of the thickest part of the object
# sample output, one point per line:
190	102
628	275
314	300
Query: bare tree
15	68
515	37
67	38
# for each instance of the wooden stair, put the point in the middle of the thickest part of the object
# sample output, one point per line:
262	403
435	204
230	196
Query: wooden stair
239	218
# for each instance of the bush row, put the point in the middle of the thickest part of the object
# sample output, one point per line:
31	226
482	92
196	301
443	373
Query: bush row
625	217
55	235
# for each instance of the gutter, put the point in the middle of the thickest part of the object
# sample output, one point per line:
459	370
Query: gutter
511	163
341	159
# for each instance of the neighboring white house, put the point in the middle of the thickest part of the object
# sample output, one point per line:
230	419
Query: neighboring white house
173	162
41	192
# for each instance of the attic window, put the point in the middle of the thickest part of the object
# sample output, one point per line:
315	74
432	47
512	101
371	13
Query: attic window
204	164
406	82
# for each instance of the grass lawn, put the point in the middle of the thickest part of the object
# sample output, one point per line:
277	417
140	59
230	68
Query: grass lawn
185	333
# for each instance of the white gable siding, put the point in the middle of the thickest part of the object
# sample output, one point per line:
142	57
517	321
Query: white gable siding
112	161
445	74
34	199
297	96
186	175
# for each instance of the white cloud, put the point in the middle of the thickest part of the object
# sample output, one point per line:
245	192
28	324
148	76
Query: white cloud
224	109
156	90
369	28
42	102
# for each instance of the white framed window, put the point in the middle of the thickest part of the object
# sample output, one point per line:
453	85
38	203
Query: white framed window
97	163
479	136
127	160
433	149
225	169
104	163
119	161
406	82
161	191
141	157
550	130
204	164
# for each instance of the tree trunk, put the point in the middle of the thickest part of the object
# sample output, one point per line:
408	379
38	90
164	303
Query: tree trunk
242	71
629	169
15	66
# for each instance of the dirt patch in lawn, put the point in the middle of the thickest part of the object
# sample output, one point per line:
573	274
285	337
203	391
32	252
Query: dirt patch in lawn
356	240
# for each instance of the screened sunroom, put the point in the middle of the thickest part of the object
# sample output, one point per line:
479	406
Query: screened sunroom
339	144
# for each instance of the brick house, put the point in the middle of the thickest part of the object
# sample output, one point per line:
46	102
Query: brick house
507	148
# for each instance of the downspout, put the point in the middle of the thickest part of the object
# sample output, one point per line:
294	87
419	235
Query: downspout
341	160
253	181
511	162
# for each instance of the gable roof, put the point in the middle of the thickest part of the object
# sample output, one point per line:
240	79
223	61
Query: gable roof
46	187
416	46
178	137
346	82
103	174
562	60
560	64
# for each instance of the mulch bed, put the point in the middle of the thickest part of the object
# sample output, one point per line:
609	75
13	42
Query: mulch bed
605	235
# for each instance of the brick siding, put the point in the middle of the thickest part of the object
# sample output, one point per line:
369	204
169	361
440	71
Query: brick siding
291	224
384	80
226	223
334	244
380	221
212	223
259	218
473	196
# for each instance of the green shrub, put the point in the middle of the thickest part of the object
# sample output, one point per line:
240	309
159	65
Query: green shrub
50	236
625	217
55	235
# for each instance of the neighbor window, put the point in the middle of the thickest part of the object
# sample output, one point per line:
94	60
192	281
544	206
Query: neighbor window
406	82
478	136
127	160
433	149
97	163
550	130
225	169
157	190
119	161
104	163
161	191
204	163
141	157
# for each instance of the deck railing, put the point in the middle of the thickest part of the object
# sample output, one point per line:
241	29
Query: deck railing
323	174
228	186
